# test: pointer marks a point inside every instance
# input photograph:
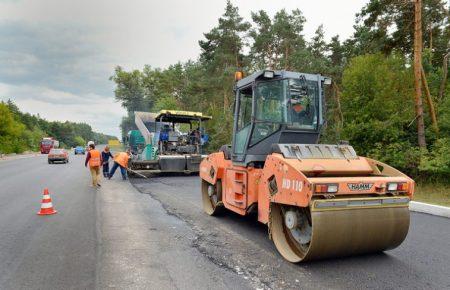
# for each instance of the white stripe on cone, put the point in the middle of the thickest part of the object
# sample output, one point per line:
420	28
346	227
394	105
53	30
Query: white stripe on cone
46	196
47	205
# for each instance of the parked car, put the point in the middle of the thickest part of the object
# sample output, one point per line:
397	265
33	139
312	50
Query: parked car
59	155
79	150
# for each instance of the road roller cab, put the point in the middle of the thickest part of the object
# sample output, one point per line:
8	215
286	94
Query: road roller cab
318	200
275	107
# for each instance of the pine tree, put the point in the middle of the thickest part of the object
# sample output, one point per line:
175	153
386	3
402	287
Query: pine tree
318	45
262	52
388	25
222	50
288	30
336	51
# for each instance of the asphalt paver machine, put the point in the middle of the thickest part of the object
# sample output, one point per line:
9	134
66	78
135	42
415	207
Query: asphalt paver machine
318	200
174	141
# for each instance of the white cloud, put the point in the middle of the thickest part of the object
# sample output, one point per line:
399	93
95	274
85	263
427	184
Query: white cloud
57	55
161	33
102	113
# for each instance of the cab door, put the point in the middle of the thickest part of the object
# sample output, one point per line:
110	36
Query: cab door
242	122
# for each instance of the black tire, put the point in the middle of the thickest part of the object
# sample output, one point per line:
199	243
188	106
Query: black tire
50	162
211	206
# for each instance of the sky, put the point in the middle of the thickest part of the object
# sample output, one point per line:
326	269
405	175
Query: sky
56	56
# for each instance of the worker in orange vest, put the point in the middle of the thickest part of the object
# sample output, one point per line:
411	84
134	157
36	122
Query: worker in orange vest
120	160
94	159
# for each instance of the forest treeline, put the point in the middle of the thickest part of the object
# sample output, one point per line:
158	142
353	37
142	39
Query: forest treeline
20	131
370	102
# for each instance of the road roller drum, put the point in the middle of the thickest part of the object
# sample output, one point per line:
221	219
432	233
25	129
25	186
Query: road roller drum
322	233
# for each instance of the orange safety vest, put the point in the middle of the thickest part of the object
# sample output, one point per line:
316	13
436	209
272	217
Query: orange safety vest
95	158
122	159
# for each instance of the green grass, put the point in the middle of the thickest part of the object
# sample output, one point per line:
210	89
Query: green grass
433	193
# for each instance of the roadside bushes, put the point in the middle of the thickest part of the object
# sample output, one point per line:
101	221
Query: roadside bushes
436	162
11	132
377	107
379	119
79	141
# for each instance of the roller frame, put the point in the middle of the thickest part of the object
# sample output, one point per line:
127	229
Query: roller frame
351	223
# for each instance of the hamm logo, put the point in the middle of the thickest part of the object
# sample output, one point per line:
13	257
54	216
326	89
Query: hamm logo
360	186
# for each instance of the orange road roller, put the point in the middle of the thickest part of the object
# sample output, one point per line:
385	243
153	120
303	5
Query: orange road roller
318	200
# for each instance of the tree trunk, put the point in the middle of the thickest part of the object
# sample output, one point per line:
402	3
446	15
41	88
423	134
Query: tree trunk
286	57
430	102
444	77
225	97
269	54
225	101
337	93
431	38
417	72
339	115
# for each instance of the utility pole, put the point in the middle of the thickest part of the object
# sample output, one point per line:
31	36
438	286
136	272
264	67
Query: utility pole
418	72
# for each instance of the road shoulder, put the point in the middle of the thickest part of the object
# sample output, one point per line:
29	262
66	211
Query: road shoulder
141	246
14	156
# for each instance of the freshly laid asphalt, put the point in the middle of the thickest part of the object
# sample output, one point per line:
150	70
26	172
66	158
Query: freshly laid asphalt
421	262
153	234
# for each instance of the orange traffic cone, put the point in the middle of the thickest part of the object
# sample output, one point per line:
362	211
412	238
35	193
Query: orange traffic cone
46	205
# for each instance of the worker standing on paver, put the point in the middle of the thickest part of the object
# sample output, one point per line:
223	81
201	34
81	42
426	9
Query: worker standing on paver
120	160
94	159
105	160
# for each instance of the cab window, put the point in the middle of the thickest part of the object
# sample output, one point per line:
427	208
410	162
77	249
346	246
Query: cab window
244	119
270	101
269	109
302	98
245	109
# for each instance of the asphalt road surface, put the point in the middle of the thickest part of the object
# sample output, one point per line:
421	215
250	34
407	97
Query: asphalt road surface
108	238
159	238
57	251
241	244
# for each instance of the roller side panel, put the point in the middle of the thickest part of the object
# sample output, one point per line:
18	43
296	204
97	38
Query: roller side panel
212	167
241	188
254	180
291	185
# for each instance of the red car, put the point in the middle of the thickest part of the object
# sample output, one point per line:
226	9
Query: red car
59	155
